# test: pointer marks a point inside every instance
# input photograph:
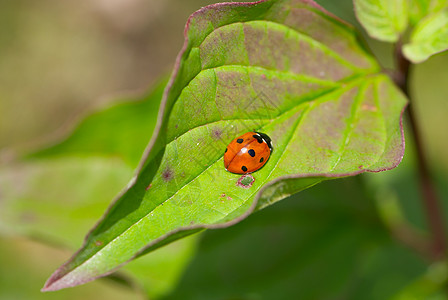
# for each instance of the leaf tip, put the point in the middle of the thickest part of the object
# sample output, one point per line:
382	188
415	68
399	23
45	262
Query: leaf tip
62	278
51	284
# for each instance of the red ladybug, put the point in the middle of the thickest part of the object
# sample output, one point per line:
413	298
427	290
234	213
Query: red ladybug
247	153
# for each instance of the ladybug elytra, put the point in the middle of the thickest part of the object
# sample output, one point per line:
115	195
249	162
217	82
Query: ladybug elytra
247	153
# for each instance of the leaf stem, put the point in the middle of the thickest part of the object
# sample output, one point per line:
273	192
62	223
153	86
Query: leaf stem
430	199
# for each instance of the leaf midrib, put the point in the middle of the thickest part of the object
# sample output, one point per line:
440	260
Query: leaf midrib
305	98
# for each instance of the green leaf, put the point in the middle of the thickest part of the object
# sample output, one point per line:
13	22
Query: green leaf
286	68
25	264
384	20
55	195
41	194
429	37
421	8
58	199
121	130
431	285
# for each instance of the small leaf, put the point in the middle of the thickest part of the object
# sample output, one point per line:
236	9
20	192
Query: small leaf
93	157
121	130
384	20
286	68
429	37
58	199
421	8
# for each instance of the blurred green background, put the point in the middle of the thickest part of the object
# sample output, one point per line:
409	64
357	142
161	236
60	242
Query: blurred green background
106	62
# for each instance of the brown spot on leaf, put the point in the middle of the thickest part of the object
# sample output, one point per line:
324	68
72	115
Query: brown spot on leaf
148	187
368	107
98	243
167	174
216	134
28	217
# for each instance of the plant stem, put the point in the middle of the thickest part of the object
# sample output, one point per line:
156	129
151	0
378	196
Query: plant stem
430	198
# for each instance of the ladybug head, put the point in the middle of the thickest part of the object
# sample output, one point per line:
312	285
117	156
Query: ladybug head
266	138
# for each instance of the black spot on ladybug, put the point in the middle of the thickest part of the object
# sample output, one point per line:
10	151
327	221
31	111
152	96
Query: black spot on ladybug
261	159
239	141
167	174
244	168
225	151
251	152
258	138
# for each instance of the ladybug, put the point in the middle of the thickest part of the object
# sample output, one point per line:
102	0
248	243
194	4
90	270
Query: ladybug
247	153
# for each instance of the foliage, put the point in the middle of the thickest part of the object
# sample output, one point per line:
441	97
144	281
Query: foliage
430	36
384	20
326	120
287	68
388	20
